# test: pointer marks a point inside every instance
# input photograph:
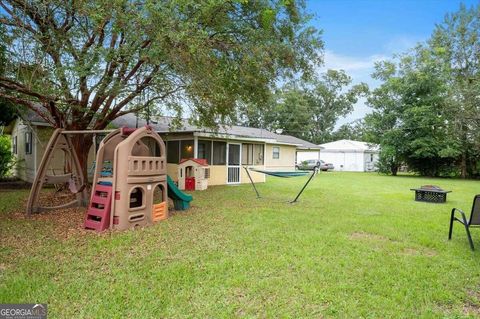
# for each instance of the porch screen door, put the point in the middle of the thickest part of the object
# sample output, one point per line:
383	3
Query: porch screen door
233	163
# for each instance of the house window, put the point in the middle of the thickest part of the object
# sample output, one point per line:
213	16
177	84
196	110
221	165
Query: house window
28	143
257	154
207	173
186	149
371	157
14	146
173	152
252	154
205	150
276	152
219	153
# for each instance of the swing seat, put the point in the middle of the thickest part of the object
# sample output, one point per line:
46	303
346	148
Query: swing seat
58	179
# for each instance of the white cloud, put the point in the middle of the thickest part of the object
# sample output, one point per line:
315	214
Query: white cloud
402	44
360	69
351	64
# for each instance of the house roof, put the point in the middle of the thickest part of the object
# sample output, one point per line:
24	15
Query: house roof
164	125
349	146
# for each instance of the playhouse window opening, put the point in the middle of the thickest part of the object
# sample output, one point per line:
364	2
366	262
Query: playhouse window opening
189	171
158	194
146	146
136	198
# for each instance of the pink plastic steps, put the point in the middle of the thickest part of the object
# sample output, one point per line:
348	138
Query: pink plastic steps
98	213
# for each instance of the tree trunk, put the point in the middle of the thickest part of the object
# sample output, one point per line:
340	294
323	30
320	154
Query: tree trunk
394	169
82	144
463	166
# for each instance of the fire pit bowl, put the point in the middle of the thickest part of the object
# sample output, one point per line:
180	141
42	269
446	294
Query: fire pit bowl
430	194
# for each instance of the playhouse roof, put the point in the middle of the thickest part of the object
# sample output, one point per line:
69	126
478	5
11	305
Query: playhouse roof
199	161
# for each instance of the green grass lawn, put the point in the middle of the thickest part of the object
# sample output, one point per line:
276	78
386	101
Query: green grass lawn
356	245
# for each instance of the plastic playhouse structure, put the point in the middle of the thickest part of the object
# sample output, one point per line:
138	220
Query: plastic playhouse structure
193	174
130	181
181	201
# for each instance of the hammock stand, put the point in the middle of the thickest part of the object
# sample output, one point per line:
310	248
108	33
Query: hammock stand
282	174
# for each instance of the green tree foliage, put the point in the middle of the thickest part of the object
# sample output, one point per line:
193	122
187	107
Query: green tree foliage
8	110
88	62
310	109
455	44
411	117
6	156
351	131
426	112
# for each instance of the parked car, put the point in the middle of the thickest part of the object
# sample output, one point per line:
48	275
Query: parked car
311	164
326	166
307	165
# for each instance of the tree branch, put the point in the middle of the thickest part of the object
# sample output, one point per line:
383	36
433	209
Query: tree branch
27	104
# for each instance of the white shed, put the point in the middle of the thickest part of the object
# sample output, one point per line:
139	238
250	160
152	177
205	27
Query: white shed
352	156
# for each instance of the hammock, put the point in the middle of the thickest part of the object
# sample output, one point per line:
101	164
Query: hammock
283	174
280	173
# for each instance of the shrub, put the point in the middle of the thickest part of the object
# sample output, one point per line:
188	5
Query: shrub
6	156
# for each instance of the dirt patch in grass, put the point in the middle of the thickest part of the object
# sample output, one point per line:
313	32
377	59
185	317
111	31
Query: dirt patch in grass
428	252
471	309
472	306
367	236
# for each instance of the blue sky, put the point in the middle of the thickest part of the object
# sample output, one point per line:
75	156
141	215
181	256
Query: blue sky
359	32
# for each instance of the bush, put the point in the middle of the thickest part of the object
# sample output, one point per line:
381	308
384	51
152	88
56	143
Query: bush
388	162
6	156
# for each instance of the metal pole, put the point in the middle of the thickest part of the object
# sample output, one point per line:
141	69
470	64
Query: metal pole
86	132
304	186
251	181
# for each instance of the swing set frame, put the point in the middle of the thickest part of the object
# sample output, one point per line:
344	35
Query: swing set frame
61	141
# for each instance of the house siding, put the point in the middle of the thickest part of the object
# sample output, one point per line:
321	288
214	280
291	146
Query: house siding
218	174
25	163
286	160
28	164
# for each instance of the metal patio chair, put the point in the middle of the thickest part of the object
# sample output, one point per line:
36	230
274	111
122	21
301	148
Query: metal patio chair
474	220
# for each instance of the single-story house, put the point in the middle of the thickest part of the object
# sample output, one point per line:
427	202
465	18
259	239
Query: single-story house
226	149
348	155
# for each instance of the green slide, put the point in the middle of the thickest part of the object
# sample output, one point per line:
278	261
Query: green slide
181	200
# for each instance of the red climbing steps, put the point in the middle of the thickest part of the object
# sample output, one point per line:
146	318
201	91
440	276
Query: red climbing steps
98	213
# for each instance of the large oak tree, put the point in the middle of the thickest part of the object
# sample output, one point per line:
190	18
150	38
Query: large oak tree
87	62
